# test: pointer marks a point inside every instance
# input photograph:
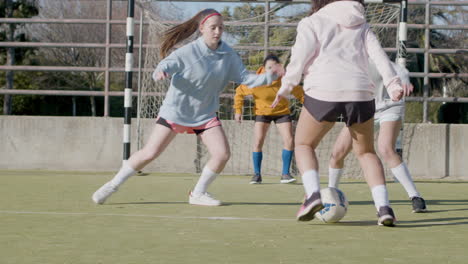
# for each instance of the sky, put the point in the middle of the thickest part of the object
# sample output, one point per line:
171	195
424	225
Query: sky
191	8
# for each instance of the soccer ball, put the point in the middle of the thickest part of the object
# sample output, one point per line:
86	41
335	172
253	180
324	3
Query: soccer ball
336	205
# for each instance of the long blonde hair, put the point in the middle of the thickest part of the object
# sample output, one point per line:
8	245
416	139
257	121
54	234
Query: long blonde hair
181	32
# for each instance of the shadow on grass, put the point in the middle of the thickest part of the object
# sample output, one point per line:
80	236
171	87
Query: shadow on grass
224	203
275	183
145	203
253	203
428	202
433	222
407	224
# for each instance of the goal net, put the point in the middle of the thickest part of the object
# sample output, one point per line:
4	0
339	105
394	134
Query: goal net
247	24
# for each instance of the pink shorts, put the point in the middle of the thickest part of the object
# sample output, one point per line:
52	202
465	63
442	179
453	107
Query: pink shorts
214	122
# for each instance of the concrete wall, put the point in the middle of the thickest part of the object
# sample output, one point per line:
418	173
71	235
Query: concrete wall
95	144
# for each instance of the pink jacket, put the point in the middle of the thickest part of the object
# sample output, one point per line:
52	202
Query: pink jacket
331	51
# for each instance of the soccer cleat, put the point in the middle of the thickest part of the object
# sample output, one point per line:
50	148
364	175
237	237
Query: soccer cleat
203	199
310	206
104	192
287	178
386	216
256	179
419	205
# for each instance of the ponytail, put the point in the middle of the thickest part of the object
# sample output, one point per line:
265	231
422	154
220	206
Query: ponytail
183	31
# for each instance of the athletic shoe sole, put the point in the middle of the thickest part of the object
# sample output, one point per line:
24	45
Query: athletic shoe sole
308	213
205	204
254	182
386	220
419	211
288	181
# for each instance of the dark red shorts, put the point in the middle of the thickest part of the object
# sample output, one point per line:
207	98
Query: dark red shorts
351	112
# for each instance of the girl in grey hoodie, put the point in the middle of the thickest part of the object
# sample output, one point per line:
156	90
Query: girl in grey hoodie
199	72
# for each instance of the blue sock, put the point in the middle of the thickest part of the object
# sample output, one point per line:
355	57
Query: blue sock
287	157
257	161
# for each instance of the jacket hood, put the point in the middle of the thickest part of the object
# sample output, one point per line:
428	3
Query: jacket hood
345	13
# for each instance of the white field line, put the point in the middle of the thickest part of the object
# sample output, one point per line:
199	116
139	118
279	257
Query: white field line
228	218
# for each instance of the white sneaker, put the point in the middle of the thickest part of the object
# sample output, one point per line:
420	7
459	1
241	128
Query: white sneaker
104	192
203	199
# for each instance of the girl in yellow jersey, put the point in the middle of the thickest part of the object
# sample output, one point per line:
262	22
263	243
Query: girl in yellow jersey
264	115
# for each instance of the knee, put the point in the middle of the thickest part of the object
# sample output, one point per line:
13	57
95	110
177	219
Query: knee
386	151
289	143
224	156
258	145
337	157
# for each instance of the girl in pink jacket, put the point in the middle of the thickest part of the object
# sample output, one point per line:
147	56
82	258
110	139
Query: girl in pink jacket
331	51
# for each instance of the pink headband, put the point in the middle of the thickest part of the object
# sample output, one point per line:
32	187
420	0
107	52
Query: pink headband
208	16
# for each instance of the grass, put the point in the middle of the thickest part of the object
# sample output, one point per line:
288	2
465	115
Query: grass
48	217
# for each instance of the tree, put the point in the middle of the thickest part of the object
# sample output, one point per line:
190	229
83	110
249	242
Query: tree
12	32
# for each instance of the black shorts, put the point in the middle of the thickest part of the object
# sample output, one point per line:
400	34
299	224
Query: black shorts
277	119
351	112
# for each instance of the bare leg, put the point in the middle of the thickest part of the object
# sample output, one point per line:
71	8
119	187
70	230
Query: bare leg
216	142
363	147
341	148
285	130
388	135
309	133
387	138
159	139
260	132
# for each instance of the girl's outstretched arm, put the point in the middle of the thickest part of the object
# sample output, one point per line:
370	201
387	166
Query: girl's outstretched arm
302	55
167	67
390	78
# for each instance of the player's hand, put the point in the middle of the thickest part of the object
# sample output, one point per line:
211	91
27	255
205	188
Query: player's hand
277	100
238	118
407	88
161	76
278	69
397	95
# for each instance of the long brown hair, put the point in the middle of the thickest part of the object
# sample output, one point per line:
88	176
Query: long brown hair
318	4
181	32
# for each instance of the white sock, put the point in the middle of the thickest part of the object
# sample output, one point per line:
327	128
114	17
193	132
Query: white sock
311	182
380	196
206	178
334	176
403	175
124	173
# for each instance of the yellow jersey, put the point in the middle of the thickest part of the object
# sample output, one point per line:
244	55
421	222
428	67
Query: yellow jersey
264	96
